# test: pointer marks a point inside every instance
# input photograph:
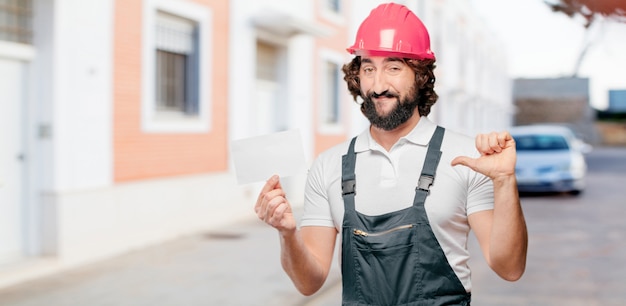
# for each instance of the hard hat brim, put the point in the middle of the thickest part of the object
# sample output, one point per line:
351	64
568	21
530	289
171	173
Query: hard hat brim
386	53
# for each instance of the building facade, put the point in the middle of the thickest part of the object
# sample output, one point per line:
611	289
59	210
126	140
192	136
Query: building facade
117	115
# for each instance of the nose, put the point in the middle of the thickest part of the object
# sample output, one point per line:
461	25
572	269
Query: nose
379	84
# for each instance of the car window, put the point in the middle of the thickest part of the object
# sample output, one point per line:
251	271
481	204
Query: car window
540	142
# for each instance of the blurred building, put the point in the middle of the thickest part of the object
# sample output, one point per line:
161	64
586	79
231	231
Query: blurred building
563	101
475	90
617	100
612	121
117	114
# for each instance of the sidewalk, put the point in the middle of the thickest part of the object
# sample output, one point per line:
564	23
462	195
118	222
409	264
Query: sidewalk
237	265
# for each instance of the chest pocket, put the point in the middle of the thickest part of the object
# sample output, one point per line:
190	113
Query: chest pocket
388	242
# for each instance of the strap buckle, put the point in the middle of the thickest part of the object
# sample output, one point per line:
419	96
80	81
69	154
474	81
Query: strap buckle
425	182
348	187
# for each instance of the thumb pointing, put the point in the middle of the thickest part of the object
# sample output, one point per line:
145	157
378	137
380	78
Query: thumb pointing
463	160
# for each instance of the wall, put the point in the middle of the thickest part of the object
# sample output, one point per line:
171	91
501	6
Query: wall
141	154
100	185
562	101
612	133
556	110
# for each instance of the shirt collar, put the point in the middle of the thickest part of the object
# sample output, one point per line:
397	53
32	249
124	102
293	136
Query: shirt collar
420	135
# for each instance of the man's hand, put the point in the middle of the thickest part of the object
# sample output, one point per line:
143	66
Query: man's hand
273	208
497	156
501	232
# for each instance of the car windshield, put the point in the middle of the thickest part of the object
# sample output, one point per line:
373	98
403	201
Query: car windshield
540	143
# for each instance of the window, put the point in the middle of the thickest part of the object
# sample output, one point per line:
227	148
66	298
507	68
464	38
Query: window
176	65
332	77
332	91
16	21
331	10
333	5
540	143
176	60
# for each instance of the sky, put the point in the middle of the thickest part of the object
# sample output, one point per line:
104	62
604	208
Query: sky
541	43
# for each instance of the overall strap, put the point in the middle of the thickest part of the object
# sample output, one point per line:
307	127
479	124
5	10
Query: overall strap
427	177
348	178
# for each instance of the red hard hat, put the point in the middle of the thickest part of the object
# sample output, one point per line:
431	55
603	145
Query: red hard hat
392	30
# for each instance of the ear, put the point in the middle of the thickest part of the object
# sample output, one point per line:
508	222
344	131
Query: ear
421	80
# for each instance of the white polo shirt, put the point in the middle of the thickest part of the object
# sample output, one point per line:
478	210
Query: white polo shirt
386	181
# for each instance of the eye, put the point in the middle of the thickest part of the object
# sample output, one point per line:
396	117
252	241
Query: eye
368	70
394	69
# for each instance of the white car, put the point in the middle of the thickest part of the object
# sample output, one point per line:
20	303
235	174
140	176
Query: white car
549	159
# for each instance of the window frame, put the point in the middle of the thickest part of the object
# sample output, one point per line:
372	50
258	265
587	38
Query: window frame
153	120
13	50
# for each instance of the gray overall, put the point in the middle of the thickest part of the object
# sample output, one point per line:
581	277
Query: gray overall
395	259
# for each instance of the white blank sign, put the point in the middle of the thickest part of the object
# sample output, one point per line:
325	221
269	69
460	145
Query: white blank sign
258	158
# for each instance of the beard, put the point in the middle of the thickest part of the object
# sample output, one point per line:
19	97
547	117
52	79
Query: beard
402	111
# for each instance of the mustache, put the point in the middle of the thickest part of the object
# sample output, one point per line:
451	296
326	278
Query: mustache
386	94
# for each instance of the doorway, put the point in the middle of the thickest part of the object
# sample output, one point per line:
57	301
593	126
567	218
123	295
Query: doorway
12	232
270	103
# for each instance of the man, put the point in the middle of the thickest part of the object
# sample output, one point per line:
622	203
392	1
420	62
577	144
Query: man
403	194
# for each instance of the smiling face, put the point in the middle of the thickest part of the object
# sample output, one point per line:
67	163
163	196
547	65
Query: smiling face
388	87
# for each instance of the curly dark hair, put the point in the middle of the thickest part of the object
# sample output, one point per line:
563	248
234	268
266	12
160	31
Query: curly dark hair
424	81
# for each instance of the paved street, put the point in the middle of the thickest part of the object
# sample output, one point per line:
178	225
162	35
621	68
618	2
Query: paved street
576	257
234	266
